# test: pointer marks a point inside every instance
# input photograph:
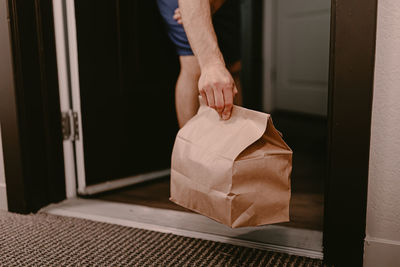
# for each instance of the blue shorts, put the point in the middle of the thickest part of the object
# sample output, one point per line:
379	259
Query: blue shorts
226	22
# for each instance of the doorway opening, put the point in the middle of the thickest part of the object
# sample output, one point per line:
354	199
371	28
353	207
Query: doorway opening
118	166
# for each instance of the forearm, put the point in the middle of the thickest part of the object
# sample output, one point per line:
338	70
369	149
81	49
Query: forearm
196	17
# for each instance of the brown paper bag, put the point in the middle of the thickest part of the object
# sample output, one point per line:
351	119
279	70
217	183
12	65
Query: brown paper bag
236	172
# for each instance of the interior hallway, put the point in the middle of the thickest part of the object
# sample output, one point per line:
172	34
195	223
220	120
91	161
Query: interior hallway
306	135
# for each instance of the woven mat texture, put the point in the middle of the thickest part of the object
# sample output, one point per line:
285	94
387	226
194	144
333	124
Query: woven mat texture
43	239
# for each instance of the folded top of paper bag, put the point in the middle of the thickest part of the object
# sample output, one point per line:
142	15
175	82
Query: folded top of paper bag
229	137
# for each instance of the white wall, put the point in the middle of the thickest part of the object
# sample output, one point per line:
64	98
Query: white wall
3	193
382	244
268	36
5	69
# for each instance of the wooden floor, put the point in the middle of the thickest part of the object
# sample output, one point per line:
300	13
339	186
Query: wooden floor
306	209
307	138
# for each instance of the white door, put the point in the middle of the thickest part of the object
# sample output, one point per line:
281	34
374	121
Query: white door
114	139
301	51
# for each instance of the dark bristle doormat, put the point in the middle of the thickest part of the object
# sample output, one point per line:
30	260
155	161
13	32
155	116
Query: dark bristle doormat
43	239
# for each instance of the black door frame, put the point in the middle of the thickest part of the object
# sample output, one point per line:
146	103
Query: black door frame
32	139
351	80
30	112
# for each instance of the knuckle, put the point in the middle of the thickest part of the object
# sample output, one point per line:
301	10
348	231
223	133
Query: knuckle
228	105
225	80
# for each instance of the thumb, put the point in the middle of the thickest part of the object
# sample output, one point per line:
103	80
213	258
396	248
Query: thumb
235	91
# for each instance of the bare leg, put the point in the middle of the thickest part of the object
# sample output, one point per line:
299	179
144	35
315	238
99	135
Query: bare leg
186	90
235	69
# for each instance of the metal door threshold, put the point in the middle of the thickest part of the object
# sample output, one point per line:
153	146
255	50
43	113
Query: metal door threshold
289	240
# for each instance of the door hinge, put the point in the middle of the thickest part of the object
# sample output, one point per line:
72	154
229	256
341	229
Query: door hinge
70	125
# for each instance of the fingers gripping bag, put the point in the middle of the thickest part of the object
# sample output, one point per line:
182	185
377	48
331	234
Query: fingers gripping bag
236	172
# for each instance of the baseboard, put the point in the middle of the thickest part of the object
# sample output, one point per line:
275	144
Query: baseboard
3	197
381	252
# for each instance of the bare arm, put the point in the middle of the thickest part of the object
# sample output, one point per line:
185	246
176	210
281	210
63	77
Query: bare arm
216	84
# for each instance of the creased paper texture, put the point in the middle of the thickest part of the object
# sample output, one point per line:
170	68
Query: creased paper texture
236	172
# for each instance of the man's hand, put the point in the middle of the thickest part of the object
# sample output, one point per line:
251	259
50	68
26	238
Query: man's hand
177	16
217	88
216	84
